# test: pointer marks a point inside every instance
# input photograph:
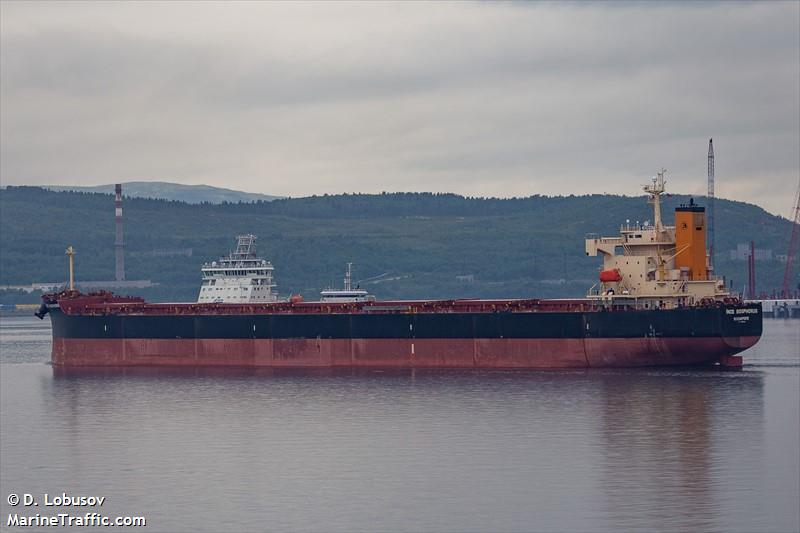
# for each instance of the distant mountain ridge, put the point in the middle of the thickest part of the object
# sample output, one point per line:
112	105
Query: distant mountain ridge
161	190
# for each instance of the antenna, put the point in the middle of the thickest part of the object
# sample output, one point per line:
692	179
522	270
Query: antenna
711	247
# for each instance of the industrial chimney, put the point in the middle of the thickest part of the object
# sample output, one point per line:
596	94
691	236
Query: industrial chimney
118	244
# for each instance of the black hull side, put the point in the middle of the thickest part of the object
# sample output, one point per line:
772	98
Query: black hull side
728	321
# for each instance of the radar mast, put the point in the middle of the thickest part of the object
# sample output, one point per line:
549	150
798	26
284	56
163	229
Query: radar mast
655	190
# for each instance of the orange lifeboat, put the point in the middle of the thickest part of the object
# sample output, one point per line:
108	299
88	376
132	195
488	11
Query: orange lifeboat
608	276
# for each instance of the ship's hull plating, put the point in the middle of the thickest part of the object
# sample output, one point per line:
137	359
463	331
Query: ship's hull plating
692	336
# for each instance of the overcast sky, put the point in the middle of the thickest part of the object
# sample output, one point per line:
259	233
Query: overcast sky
488	99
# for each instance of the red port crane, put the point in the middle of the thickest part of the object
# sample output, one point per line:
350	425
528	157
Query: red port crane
751	272
787	274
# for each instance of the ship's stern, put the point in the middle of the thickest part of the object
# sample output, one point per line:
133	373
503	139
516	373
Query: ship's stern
741	327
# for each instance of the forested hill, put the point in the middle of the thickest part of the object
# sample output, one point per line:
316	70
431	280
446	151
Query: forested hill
404	245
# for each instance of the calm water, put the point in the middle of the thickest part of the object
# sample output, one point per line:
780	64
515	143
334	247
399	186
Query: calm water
601	450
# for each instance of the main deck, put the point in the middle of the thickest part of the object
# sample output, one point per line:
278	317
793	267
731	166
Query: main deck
101	304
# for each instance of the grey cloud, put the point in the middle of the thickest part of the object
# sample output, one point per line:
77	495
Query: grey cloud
490	99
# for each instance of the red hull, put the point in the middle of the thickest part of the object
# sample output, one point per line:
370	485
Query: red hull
398	353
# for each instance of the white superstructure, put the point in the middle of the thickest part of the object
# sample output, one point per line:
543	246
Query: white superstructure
654	265
349	294
241	277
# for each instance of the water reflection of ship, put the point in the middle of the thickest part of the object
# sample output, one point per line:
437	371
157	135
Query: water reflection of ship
638	449
668	438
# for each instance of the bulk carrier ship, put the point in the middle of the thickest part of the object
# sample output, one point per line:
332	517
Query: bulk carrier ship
656	303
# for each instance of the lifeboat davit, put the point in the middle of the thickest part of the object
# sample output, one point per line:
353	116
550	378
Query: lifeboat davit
607	276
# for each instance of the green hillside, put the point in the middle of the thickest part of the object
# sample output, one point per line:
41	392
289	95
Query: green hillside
404	245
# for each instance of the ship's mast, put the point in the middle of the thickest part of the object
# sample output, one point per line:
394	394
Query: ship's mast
655	190
347	276
71	253
245	247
